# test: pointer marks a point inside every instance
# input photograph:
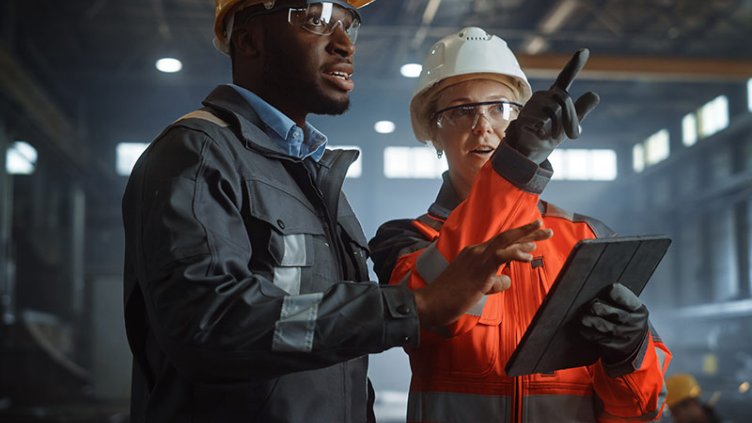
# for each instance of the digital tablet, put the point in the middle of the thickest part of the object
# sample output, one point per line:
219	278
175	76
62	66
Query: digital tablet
551	341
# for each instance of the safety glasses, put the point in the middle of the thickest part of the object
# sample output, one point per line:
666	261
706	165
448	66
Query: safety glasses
321	18
466	116
324	18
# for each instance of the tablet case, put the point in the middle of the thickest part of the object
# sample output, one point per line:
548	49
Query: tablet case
551	341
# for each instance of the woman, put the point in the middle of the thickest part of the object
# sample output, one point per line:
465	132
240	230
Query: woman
469	93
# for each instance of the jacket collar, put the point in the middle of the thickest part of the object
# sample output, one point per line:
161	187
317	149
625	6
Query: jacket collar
446	201
231	105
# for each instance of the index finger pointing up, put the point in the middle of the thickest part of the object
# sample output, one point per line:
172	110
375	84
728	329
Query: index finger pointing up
571	69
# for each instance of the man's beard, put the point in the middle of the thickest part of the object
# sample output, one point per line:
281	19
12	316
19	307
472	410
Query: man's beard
306	95
325	105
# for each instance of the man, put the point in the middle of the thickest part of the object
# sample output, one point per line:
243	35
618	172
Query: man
246	288
685	403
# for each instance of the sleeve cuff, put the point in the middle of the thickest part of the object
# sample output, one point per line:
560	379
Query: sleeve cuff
630	364
520	171
401	325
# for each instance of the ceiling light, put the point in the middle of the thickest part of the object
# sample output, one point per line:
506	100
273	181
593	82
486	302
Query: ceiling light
169	65
534	45
20	158
744	388
384	127
411	70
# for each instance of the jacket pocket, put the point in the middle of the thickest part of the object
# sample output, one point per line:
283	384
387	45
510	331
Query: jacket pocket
293	230
473	353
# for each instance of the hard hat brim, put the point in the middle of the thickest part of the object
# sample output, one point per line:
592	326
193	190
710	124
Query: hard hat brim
224	9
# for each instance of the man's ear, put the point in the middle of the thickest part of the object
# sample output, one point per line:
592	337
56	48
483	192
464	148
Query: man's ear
247	41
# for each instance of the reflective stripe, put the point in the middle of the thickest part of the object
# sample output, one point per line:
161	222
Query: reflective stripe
452	407
288	278
477	309
294	254
431	263
297	323
661	356
559	408
661	359
295	251
203	114
657	340
647	417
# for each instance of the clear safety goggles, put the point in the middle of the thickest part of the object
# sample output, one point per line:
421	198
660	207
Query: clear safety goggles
324	18
466	116
320	18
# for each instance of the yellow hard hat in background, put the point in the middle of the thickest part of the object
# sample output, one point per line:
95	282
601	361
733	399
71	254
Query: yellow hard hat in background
224	9
681	386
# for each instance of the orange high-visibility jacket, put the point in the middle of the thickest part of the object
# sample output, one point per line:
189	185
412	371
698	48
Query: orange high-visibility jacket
458	376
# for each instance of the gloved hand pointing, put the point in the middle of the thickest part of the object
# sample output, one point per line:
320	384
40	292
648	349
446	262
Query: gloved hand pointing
617	322
549	115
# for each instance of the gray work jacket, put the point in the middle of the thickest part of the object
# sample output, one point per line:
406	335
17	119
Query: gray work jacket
246	288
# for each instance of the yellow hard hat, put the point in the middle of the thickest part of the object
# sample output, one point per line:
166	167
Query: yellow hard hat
681	386
223	9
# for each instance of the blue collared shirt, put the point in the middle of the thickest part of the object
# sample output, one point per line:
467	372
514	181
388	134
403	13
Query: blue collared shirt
291	138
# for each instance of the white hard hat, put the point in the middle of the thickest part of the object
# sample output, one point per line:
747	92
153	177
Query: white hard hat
469	54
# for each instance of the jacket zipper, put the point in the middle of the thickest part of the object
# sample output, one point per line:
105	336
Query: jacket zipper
334	240
339	248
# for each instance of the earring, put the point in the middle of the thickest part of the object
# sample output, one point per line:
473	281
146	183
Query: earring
439	153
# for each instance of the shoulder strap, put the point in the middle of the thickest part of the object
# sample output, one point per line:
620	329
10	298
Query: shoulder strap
428	225
600	229
204	115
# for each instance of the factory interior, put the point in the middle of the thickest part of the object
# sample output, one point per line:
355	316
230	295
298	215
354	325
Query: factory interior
85	85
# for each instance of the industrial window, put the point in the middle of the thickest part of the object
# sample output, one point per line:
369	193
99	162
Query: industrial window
689	130
20	158
584	165
657	147
127	154
356	169
651	151
638	158
713	116
412	163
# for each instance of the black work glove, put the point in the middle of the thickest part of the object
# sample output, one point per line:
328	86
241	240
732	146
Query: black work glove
617	322
549	115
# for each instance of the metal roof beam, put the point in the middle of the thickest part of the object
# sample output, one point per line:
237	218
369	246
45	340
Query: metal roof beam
35	103
600	67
